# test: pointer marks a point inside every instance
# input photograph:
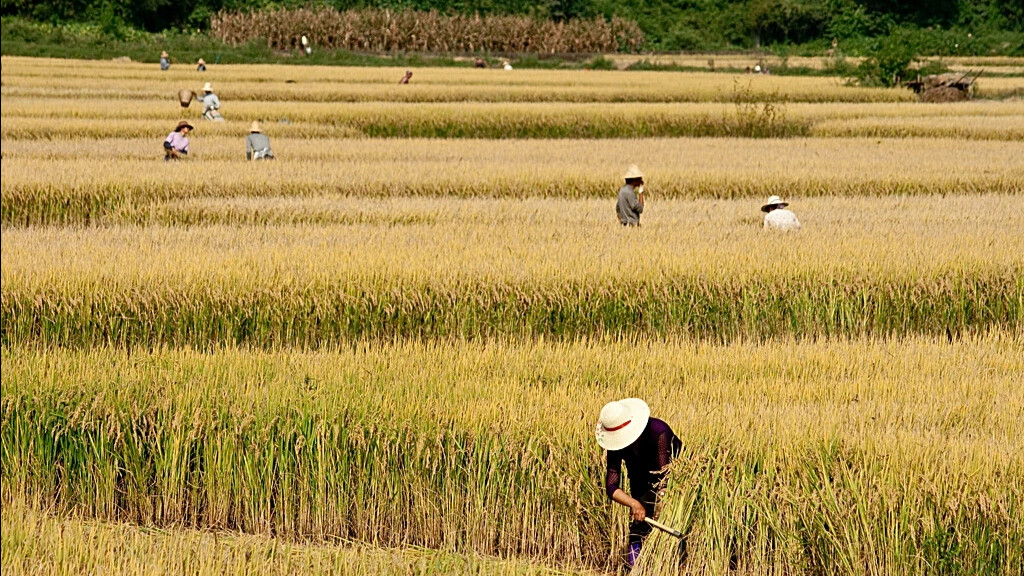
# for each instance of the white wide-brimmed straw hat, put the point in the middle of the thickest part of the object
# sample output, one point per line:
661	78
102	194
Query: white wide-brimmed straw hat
201	61
163	54
621	423
254	127
633	172
207	87
774	201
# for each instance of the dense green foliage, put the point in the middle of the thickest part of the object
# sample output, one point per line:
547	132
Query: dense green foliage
993	25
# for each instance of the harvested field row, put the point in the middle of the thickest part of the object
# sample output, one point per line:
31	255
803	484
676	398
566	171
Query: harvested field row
123	180
466	269
363	444
423	92
317	83
140	82
38	542
169	109
56	119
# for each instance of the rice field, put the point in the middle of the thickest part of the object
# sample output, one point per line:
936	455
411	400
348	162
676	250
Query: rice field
364	444
384	351
90	186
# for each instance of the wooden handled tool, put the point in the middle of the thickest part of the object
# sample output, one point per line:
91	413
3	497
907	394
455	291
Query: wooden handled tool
663	528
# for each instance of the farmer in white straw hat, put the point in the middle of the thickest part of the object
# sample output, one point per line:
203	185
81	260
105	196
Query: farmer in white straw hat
257	145
211	104
631	197
646	445
165	61
777	217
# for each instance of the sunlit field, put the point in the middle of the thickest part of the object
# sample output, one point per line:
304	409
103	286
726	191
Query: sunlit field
384	351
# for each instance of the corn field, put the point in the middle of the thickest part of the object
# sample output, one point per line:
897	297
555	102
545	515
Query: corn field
414	31
384	351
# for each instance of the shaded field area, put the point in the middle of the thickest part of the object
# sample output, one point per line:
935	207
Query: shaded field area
362	444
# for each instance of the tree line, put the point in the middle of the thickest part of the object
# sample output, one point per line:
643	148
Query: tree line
666	24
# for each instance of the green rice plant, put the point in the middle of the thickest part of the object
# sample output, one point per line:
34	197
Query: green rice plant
272	316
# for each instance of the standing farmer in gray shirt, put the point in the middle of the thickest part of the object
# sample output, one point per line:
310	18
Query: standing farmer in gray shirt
257	145
631	197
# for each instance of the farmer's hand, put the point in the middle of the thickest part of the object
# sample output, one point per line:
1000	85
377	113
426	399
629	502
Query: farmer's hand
639	513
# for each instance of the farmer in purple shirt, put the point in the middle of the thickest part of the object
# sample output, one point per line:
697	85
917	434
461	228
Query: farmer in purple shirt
176	145
646	445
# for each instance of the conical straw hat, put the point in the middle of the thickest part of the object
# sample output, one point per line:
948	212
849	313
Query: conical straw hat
633	172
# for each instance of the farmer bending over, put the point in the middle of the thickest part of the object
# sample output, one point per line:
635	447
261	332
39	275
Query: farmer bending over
176	144
257	145
646	445
777	217
631	197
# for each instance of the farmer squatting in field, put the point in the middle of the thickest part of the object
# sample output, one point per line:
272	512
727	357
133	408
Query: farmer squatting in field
176	144
257	145
646	445
777	217
631	197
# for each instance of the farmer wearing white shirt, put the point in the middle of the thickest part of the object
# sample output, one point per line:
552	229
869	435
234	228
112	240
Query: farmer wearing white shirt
777	217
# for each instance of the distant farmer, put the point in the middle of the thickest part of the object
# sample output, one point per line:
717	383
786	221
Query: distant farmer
631	197
257	145
176	144
646	446
405	79
505	65
777	217
480	63
211	104
201	65
165	60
